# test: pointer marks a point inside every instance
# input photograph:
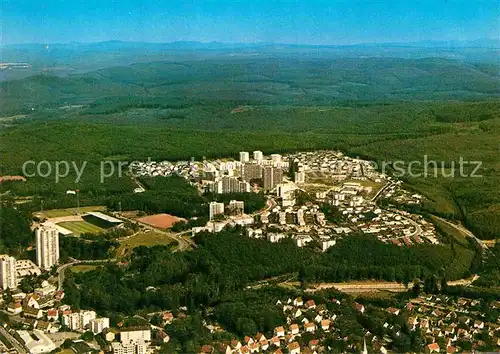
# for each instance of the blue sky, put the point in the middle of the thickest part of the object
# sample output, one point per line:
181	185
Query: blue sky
305	22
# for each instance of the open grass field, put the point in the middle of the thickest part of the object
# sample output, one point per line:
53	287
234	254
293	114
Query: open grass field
81	268
80	227
56	213
147	239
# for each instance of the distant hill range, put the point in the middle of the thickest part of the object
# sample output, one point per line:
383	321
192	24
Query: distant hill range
190	45
257	80
62	59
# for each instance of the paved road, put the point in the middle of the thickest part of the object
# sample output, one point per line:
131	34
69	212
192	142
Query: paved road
418	229
19	347
270	204
381	190
462	229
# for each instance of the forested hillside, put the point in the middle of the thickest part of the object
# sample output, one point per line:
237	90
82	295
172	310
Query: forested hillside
305	81
368	107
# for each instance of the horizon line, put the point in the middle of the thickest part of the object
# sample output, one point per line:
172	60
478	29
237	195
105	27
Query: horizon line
263	42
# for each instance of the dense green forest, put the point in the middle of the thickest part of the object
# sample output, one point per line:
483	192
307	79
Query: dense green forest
78	248
304	81
15	232
228	261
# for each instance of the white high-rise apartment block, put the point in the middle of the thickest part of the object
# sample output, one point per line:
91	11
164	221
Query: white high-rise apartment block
99	324
244	156
215	208
72	321
86	317
258	155
276	158
8	276
132	341
47	246
79	320
135	335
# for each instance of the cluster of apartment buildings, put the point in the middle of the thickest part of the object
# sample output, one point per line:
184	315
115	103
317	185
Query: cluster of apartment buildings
234	208
303	224
222	175
330	164
12	271
243	175
351	185
39	321
84	320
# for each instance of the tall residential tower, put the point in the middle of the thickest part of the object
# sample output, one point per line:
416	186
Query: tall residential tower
8	275
47	246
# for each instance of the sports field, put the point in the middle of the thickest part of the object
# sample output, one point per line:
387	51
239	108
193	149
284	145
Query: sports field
80	227
57	213
148	239
162	221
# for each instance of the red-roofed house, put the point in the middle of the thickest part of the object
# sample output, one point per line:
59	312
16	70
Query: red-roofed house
259	336
393	310
313	343
206	349
451	349
276	341
52	315
359	307
168	317
254	347
279	331
310	327
325	325
235	344
264	344
310	304
59	295
432	348
294	348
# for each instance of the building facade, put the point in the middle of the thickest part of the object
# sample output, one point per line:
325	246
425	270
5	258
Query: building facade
8	276
244	156
99	324
215	208
47	246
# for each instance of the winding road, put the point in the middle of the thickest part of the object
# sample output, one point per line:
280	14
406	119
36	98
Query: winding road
462	229
62	268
